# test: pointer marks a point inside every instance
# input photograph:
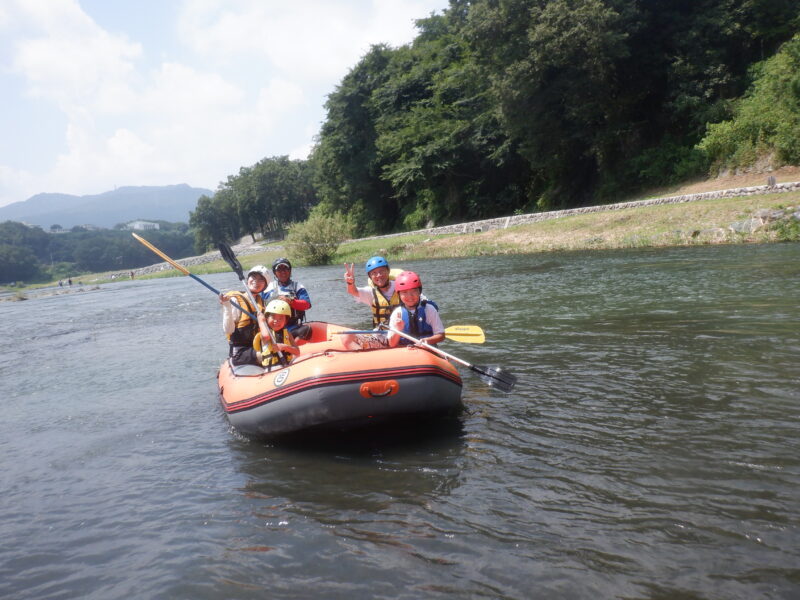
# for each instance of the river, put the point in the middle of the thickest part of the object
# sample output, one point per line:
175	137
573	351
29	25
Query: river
651	448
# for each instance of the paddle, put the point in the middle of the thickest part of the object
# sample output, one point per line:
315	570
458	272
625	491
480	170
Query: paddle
185	271
493	376
229	257
468	334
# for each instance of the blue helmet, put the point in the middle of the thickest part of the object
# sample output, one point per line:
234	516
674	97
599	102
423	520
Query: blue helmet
375	262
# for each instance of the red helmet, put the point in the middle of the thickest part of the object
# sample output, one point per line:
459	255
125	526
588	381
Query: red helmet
407	280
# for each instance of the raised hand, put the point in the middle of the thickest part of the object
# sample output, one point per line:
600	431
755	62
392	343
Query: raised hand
349	278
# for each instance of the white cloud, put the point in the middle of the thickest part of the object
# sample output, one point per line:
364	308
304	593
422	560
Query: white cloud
308	39
67	59
249	82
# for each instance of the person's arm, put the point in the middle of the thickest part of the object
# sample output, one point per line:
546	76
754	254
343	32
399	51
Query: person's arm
395	322
435	321
350	280
228	319
263	328
302	301
288	345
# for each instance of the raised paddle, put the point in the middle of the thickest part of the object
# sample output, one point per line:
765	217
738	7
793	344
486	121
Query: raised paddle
229	257
185	271
493	376
469	334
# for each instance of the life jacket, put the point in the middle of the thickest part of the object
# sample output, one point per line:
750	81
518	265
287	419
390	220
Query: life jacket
245	329
290	289
383	308
417	326
269	354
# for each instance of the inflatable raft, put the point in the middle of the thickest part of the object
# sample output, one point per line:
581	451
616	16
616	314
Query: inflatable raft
339	381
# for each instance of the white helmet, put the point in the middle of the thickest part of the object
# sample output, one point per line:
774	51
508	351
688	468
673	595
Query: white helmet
261	270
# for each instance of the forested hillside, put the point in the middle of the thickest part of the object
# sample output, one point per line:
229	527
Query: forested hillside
503	106
31	254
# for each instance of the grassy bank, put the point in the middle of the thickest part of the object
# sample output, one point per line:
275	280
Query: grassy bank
685	224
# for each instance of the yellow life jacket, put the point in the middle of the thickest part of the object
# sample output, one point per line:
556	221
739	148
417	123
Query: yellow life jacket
269	354
381	307
245	328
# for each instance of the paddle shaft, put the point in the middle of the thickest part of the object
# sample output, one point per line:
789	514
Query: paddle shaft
495	377
185	271
467	334
431	348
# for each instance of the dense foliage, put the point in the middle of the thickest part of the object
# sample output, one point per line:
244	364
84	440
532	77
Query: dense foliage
517	105
29	253
767	120
316	240
264	198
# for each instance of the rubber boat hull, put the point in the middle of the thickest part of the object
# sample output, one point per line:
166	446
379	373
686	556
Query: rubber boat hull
338	382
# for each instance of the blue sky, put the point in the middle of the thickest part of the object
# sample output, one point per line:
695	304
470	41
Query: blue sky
98	94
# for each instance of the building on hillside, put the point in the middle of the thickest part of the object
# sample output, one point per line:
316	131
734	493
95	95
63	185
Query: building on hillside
142	225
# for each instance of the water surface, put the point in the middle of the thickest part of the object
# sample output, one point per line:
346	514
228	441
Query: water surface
650	449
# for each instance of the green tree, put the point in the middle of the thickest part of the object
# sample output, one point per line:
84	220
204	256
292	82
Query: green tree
316	240
766	121
348	171
17	264
211	220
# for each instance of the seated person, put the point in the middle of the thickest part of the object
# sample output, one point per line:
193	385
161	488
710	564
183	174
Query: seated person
417	316
274	344
239	328
380	294
291	292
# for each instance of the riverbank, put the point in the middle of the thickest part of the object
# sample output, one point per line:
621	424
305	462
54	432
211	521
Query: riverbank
692	215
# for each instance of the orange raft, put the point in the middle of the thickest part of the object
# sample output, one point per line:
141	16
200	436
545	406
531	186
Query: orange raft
339	381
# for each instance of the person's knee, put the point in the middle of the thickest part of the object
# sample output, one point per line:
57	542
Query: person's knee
303	332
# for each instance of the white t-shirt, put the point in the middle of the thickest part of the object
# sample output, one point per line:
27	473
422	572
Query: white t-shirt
365	294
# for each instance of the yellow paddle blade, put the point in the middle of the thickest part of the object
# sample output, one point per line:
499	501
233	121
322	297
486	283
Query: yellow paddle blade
471	334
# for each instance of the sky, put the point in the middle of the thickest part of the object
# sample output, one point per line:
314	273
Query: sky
99	94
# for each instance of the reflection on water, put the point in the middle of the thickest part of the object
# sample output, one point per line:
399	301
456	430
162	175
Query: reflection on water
649	450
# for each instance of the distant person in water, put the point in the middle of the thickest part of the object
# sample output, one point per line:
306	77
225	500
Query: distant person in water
239	328
293	293
380	294
417	316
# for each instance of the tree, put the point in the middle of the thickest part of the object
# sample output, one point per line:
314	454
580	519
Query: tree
767	120
17	264
316	240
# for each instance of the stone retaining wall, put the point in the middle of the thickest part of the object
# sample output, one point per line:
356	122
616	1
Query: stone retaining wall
504	222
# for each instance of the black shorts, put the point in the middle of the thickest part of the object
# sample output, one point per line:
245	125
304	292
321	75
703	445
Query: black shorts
244	355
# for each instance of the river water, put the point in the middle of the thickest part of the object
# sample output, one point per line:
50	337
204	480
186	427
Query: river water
651	448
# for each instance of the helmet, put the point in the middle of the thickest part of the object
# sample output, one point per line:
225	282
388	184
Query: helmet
278	307
260	269
407	280
375	262
281	261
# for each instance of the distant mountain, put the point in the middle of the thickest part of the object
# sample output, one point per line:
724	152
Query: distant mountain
165	203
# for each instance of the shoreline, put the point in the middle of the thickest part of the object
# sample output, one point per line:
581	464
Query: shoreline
752	214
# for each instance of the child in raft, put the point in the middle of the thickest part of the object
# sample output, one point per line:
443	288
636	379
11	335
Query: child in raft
417	316
274	338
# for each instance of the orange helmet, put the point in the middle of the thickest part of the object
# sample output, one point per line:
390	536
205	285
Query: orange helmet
407	280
